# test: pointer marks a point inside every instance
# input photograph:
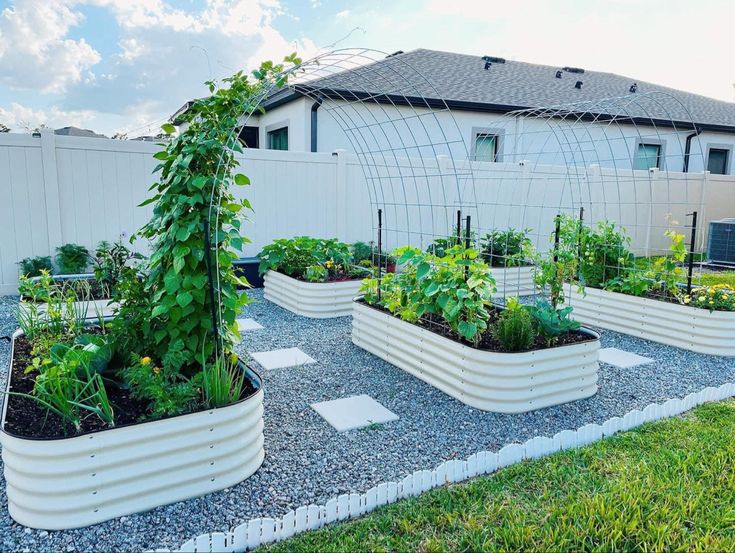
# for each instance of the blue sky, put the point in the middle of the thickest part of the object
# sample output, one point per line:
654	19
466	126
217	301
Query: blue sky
126	65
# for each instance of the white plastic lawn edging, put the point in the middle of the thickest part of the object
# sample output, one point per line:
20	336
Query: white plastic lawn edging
56	484
514	281
486	380
318	300
261	531
668	323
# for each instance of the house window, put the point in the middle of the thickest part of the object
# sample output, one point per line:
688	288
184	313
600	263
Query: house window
647	156
278	139
486	147
249	136
717	161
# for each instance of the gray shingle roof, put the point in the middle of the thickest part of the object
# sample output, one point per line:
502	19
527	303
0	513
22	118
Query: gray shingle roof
463	83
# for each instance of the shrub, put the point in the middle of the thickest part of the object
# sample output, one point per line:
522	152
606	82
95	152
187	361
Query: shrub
72	259
33	266
506	248
514	328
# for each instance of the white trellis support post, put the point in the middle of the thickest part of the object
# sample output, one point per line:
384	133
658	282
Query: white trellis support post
51	189
340	194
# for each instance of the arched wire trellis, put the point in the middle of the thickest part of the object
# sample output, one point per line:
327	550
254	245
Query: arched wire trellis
618	159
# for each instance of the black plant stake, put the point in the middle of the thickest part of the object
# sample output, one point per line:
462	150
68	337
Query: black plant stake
208	260
380	249
690	268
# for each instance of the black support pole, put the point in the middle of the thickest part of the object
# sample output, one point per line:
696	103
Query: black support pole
557	231
459	226
467	243
208	260
380	249
690	269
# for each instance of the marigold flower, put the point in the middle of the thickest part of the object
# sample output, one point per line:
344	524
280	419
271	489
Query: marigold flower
702	298
687	299
145	360
156	370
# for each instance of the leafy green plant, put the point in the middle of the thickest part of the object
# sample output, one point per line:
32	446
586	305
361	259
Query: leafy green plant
196	173
69	383
164	388
294	256
457	287
110	261
514	328
223	381
72	259
316	273
552	322
362	252
33	266
506	248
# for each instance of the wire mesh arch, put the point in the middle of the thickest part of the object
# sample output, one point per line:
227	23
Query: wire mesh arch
615	159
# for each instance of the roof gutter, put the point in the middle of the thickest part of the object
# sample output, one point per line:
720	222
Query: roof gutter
314	122
688	148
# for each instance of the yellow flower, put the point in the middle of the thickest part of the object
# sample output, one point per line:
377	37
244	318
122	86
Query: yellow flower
725	296
156	370
145	361
711	302
687	299
702	298
329	264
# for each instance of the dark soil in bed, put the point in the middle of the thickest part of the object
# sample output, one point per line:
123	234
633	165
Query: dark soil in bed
27	418
437	325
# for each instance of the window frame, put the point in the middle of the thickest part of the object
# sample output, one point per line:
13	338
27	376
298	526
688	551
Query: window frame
728	148
661	161
499	135
270	129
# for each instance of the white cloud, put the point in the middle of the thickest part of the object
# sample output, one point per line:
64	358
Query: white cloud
19	117
35	51
342	14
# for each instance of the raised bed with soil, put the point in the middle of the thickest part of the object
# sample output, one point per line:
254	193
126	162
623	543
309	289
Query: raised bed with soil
674	324
58	483
488	380
318	300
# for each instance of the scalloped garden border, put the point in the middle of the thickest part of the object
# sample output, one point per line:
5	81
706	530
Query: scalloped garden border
261	531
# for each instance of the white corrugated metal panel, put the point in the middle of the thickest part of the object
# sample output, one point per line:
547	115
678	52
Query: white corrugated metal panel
500	382
319	300
673	324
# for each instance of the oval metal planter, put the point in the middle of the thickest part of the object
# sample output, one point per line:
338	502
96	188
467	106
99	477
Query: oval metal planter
318	300
486	380
667	323
57	484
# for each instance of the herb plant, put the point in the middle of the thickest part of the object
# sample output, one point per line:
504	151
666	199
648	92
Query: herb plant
72	259
33	266
514	328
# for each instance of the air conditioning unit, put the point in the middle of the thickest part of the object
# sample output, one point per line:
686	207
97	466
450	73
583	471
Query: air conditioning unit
721	241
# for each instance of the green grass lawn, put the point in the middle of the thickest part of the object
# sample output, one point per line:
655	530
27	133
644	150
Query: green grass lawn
667	486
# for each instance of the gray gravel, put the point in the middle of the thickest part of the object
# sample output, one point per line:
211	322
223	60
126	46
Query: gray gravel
308	462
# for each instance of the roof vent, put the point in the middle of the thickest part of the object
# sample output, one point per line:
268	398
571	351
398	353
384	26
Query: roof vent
573	69
487	65
558	74
491	59
633	88
578	85
396	53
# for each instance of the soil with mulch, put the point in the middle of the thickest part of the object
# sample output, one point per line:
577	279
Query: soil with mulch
27	418
437	325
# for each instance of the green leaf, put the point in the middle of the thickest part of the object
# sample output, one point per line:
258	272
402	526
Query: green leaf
467	330
171	282
168	128
159	310
241	180
179	263
184	299
162	155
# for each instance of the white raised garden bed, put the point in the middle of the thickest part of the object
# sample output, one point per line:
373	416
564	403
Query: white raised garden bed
668	323
514	281
91	309
490	381
319	300
57	484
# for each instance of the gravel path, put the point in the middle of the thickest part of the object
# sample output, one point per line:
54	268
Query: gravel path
307	461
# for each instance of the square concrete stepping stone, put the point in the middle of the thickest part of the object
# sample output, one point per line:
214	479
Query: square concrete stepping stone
248	324
353	412
280	358
623	359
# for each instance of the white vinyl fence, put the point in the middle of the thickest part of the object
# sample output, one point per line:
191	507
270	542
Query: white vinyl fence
59	189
